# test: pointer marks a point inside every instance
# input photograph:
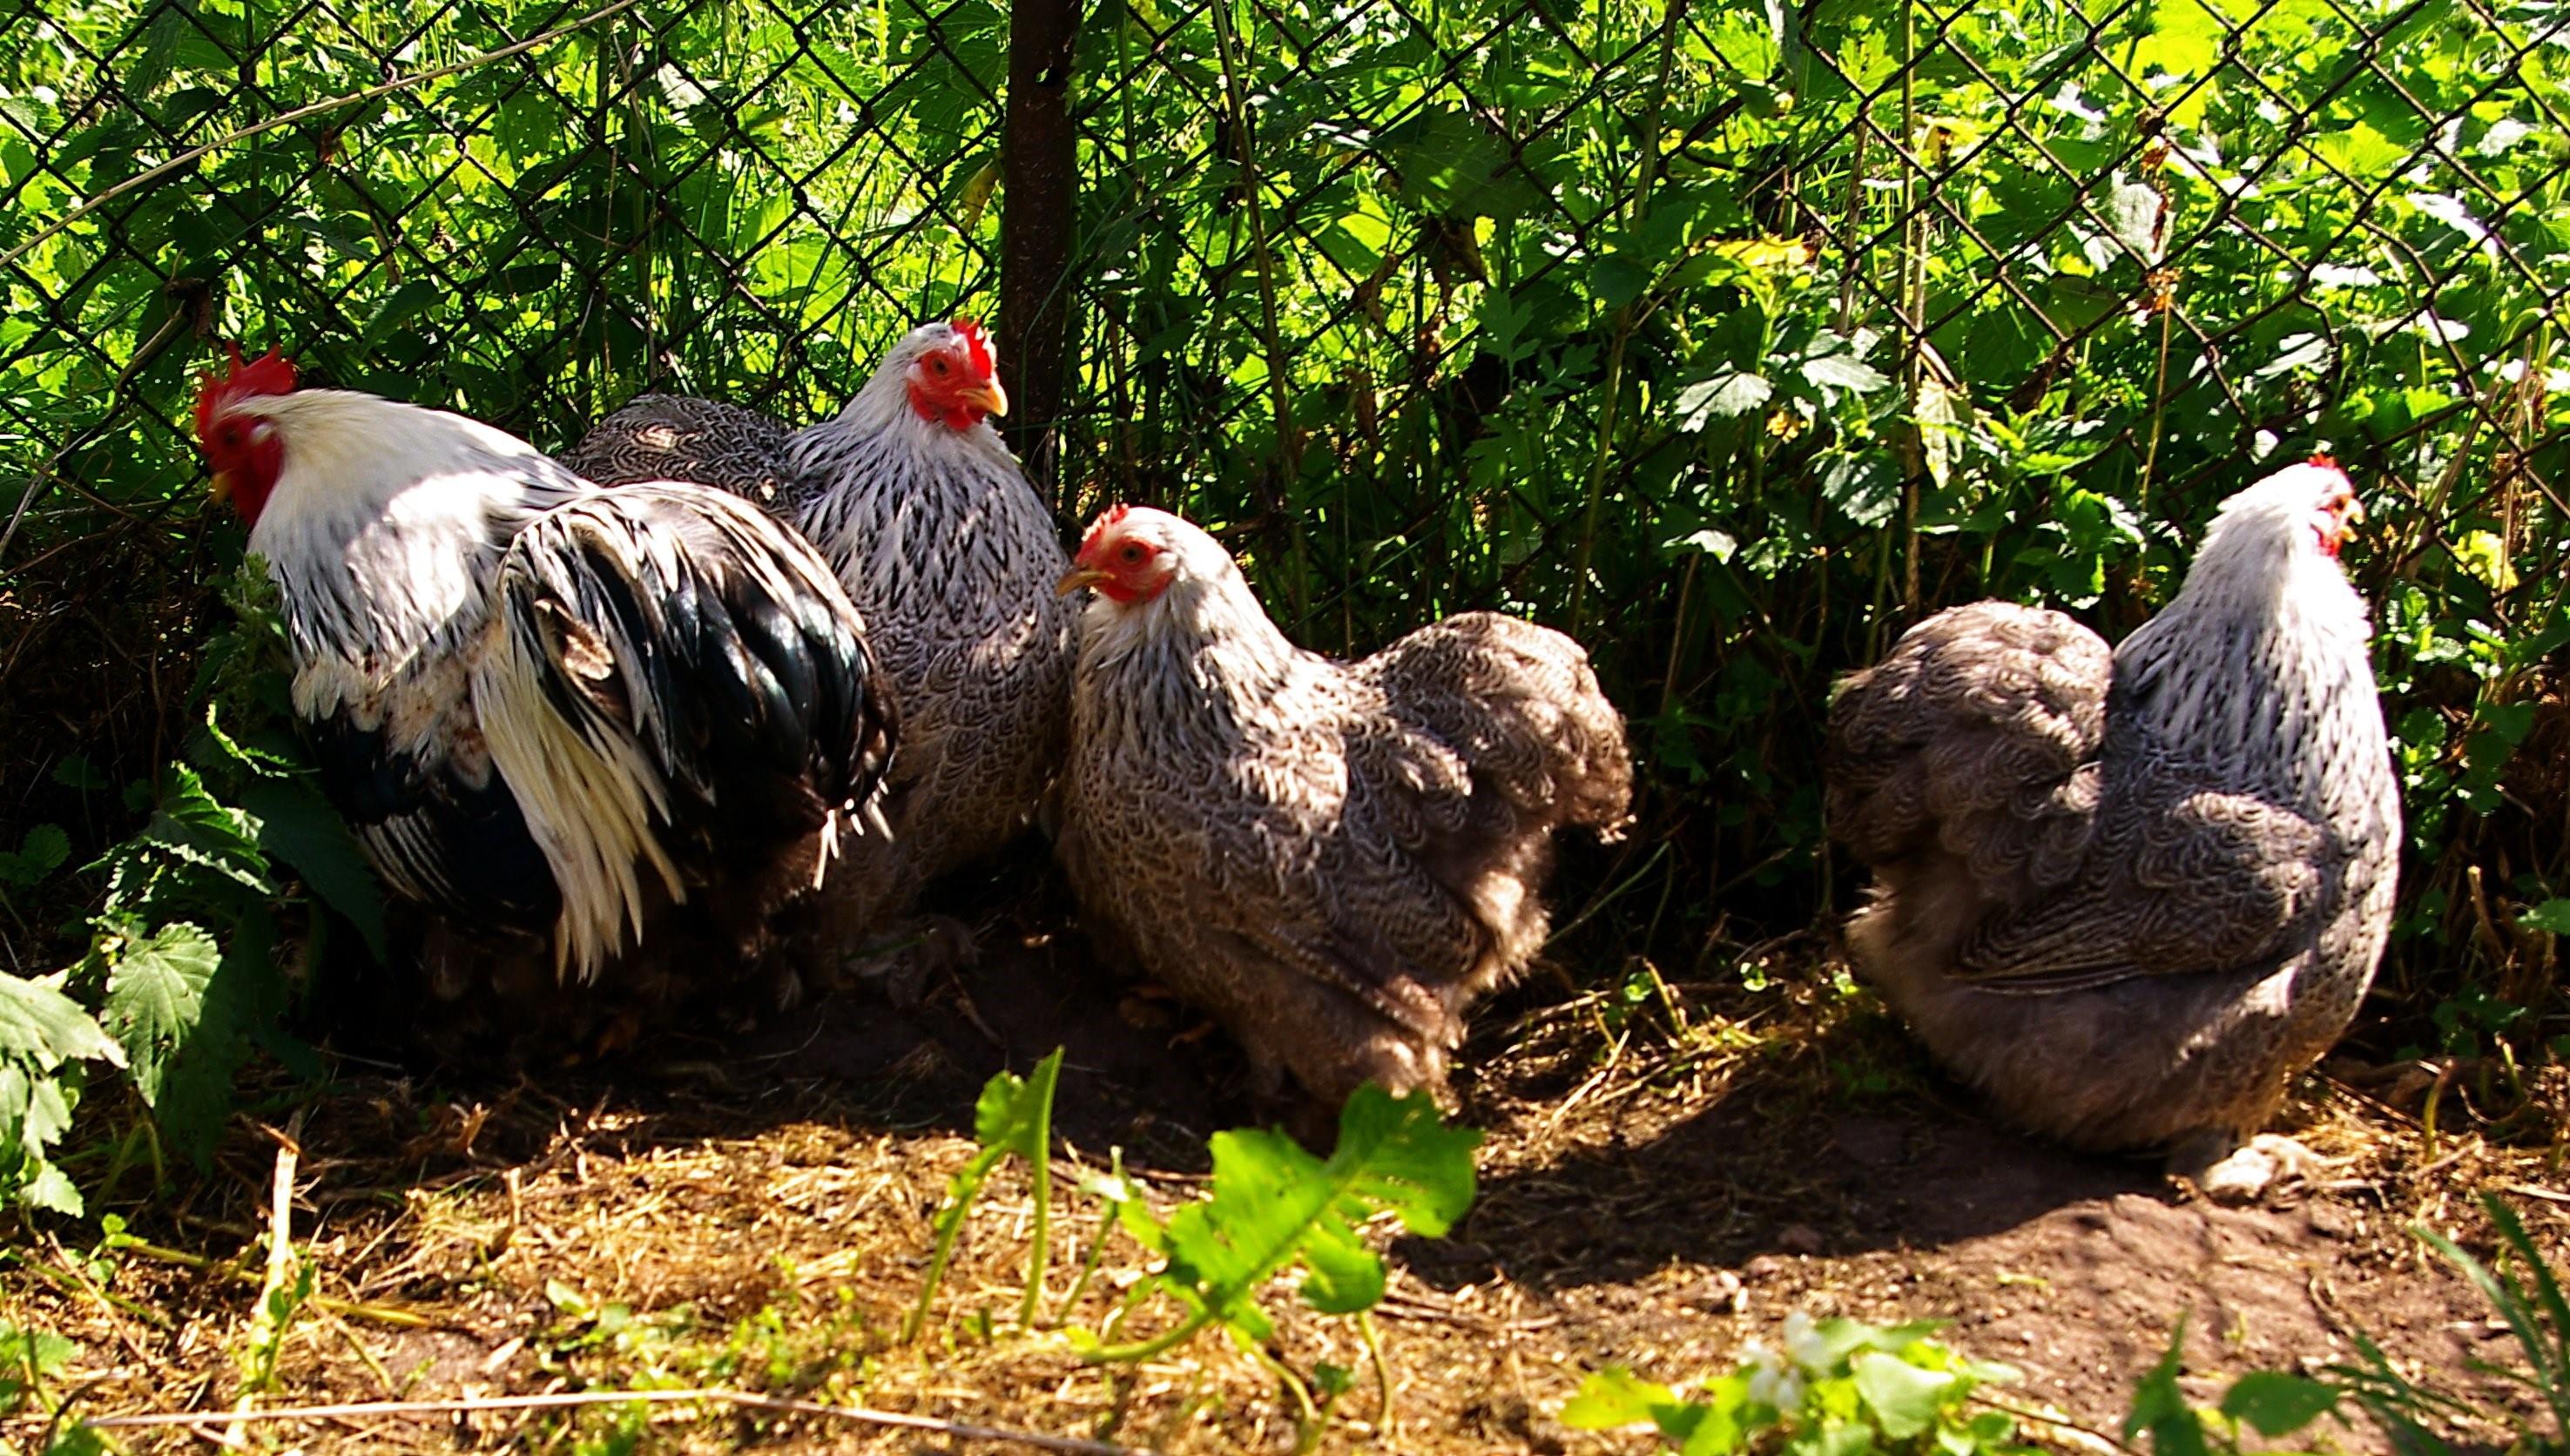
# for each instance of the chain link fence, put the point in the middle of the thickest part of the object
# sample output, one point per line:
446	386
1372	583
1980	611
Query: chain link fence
1730	336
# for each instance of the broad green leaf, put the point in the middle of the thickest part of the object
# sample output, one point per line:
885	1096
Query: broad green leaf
2275	1403
2552	915
38	856
1274	1204
190	826
1733	392
155	991
2161	1408
1904	1397
1866	487
26	1353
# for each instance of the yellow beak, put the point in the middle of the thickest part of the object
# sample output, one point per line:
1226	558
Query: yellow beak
1076	579
221	490
987	395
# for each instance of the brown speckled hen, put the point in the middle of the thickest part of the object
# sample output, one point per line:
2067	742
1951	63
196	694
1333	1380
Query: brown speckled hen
2129	894
1334	859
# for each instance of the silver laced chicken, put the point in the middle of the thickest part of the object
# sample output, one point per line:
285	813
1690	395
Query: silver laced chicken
950	556
2130	894
1335	859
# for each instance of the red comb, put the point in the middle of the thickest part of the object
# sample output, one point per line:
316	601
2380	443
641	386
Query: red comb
979	342
269	373
2325	459
1098	529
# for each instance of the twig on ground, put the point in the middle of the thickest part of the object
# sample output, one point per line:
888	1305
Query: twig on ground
572	1398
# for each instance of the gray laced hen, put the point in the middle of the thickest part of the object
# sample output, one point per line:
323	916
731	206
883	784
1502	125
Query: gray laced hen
672	437
1334	859
2130	894
951	557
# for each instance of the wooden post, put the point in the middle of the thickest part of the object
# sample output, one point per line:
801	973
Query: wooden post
1039	215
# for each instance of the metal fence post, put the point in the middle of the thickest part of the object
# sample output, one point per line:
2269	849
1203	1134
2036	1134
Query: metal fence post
1038	212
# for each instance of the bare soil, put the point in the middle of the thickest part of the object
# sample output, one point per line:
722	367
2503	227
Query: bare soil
1664	1177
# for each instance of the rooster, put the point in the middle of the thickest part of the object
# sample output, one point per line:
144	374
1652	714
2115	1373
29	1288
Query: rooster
541	705
2129	894
932	529
1334	859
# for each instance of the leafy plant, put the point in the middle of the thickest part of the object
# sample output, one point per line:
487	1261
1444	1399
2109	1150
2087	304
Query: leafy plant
2412	1414
28	1358
1012	1116
1839	1387
2529	1300
1274	1207
179	981
2270	1402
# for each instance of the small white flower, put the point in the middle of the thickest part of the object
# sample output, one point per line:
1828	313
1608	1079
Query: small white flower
1805	1344
1771	1380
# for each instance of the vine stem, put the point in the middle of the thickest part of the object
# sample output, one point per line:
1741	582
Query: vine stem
1122	1354
561	1399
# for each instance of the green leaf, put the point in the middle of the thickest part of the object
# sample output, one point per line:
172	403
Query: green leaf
1612	1398
2160	1407
400	307
42	1026
1843	371
27	1356
1904	1399
1725	395
190	826
2275	1403
2552	915
39	854
156	993
298	826
1273	1204
1866	487
1617	280
1013	1115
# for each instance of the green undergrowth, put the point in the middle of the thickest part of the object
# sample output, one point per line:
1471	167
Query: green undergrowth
1841	1387
238	864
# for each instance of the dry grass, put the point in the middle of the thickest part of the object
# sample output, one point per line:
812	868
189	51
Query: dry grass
1663	1180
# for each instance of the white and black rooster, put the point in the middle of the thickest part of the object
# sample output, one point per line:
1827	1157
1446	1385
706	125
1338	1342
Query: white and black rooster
545	706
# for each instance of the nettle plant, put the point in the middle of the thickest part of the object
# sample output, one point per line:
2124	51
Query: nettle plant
180	979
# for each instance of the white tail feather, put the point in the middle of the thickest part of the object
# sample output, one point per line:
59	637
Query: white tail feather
590	805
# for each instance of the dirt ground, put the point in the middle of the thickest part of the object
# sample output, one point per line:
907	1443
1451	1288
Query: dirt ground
1664	1177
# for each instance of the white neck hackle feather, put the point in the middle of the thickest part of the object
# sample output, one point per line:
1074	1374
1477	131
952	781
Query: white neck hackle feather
1201	653
2264	652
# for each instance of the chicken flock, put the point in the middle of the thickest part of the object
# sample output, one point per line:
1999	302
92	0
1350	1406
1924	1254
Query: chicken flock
692	716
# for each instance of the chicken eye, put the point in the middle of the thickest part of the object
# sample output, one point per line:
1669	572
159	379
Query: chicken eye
937	364
1131	555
